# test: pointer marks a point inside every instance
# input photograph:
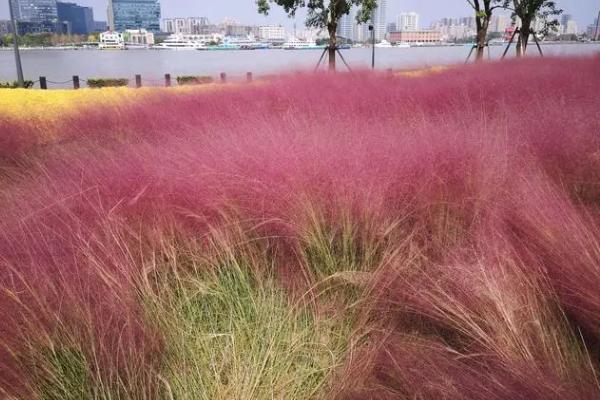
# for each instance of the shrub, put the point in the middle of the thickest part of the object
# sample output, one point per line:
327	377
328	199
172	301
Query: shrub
27	84
100	82
194	80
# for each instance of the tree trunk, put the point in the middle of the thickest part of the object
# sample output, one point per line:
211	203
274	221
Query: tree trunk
482	28
332	28
523	37
525	33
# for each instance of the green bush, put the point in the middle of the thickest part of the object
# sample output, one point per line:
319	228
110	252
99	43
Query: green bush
100	83
14	84
194	80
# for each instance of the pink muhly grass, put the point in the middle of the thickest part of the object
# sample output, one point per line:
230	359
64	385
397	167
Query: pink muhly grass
467	199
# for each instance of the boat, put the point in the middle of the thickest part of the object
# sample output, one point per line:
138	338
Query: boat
384	44
175	42
402	45
297	44
240	43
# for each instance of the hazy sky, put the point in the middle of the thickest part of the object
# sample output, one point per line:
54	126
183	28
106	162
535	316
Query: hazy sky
584	11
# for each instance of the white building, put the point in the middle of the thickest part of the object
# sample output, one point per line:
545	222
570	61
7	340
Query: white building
380	20
571	28
346	25
111	40
407	22
138	37
272	33
185	26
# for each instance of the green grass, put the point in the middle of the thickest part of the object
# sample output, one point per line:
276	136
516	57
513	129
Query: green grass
232	331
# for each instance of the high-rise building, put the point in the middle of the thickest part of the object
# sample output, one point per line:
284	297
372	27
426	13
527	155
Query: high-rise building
36	15
571	28
5	27
272	33
407	22
134	14
75	19
593	30
499	23
188	26
100	26
346	25
380	20
564	21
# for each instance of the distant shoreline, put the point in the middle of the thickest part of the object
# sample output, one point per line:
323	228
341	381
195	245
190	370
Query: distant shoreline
94	48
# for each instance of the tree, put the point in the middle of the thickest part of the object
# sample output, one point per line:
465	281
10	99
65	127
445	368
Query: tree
324	14
528	11
483	15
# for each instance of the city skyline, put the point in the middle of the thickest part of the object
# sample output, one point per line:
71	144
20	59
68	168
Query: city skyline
583	11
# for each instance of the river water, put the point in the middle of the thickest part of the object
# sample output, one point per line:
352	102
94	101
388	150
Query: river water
61	65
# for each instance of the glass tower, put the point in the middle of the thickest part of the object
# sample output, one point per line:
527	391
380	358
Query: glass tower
134	14
35	15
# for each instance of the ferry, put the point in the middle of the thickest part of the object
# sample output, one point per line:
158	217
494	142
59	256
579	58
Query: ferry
178	43
297	44
240	43
384	44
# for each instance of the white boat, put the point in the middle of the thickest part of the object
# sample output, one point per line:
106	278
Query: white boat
402	45
384	44
242	43
175	42
297	44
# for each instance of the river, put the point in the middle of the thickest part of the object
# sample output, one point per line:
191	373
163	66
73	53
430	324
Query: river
61	65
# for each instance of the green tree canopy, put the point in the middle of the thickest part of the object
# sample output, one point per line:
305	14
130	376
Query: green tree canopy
323	14
528	12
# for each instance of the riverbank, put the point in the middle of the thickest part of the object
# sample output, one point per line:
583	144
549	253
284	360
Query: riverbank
61	66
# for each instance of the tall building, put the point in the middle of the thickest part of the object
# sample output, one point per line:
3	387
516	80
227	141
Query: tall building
272	33
346	24
188	26
380	20
5	27
36	15
134	14
499	23
407	22
75	19
571	28
100	26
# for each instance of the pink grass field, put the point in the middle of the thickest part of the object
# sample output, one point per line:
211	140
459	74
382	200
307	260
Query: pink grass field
467	202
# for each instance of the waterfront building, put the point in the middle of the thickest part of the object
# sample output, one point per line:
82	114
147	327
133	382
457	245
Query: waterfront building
5	27
100	26
35	16
346	25
75	19
134	14
380	20
272	33
310	34
593	30
138	37
187	26
111	40
422	36
499	23
569	26
407	22
231	27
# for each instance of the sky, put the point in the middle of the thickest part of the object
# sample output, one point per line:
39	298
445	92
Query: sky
583	11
